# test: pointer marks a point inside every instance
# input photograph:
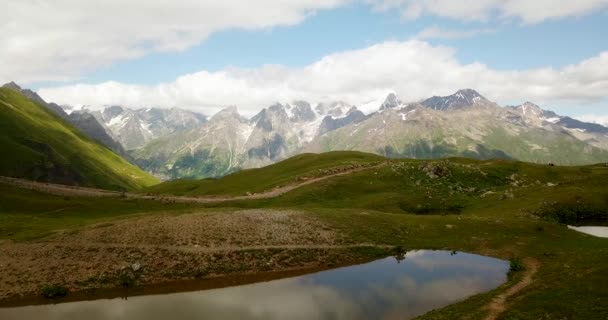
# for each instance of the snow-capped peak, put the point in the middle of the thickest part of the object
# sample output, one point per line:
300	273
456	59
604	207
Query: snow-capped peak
390	102
335	110
461	99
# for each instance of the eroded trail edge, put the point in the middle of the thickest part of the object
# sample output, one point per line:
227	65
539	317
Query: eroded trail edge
499	303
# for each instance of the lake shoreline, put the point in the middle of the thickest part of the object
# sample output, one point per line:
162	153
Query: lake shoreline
168	287
152	282
357	291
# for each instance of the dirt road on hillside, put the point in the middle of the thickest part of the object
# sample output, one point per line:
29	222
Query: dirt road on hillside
64	190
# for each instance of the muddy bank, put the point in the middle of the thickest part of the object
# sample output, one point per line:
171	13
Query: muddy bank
167	248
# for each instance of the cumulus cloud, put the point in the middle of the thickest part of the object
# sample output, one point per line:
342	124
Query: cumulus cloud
594	118
413	69
528	11
61	39
436	32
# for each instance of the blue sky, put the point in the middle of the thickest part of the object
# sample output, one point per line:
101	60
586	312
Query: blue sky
208	54
509	46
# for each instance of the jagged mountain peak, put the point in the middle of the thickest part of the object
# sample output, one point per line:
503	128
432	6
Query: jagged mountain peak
530	111
390	102
301	111
532	114
529	107
461	99
276	107
227	112
336	109
468	93
112	111
12	85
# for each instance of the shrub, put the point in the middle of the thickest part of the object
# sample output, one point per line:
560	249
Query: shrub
399	253
54	292
572	213
433	208
126	280
516	265
454	208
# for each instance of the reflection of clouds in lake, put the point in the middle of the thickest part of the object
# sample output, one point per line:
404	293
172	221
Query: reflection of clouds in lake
379	290
284	299
470	263
409	297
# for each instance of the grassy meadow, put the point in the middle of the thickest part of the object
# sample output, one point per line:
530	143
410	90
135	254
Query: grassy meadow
500	208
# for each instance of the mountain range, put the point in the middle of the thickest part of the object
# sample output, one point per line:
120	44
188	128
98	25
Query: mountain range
463	124
176	143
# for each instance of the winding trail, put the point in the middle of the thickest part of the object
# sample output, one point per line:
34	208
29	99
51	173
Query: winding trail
65	190
498	304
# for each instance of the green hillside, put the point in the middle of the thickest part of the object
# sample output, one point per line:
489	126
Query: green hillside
500	208
262	179
40	146
412	186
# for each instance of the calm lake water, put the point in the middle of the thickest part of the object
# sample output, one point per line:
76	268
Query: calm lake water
383	289
601	232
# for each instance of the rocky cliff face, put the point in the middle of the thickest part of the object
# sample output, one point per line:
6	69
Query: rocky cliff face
135	128
230	142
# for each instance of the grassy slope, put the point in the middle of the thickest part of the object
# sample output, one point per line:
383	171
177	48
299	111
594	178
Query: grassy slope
28	215
39	145
380	206
257	180
400	204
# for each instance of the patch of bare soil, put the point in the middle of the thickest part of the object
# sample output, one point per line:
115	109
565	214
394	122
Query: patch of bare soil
58	189
156	249
209	230
499	304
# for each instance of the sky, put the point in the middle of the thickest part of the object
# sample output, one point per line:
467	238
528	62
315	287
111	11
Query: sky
205	55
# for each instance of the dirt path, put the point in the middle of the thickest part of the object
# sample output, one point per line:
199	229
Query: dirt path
198	249
64	190
58	189
498	304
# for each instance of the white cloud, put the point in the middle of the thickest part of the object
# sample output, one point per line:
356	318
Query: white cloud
594	118
61	39
528	11
435	32
413	69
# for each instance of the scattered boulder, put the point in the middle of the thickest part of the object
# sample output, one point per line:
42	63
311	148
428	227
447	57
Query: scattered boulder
135	266
487	194
435	170
507	195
